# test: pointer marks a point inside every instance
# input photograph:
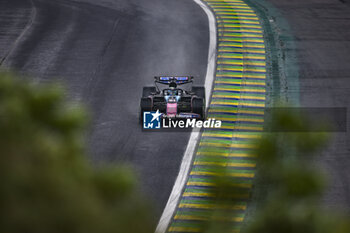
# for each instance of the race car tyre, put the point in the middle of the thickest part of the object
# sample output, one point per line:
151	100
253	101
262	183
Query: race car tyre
145	106
147	91
199	91
198	107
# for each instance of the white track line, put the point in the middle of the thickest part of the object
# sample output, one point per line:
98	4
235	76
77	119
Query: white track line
19	38
175	195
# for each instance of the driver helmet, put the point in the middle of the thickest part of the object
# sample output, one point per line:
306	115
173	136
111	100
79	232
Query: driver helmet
172	85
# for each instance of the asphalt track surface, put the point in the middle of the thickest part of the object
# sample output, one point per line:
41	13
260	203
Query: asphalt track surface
105	53
322	37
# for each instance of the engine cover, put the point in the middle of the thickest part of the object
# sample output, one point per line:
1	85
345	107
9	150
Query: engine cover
171	109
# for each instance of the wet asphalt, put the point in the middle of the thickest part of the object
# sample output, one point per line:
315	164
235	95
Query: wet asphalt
104	52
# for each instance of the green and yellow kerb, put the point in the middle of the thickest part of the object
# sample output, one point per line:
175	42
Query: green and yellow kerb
238	100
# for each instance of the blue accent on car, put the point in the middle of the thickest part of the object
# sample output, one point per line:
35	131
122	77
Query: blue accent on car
181	78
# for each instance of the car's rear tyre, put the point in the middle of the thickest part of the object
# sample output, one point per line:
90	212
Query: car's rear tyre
145	106
199	91
198	107
147	91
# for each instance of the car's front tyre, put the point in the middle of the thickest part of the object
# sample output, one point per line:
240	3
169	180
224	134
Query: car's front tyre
145	106
198	107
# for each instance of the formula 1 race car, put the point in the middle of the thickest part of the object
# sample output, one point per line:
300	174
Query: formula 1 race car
173	102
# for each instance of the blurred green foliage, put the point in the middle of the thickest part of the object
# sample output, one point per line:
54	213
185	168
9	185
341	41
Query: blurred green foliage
46	183
295	187
292	200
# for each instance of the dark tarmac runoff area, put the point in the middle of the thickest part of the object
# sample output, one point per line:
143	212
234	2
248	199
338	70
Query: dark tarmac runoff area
105	52
322	36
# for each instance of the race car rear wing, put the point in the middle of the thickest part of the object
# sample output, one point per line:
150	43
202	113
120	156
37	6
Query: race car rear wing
179	80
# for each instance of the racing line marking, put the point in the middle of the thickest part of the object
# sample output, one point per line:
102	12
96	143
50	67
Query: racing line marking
181	179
